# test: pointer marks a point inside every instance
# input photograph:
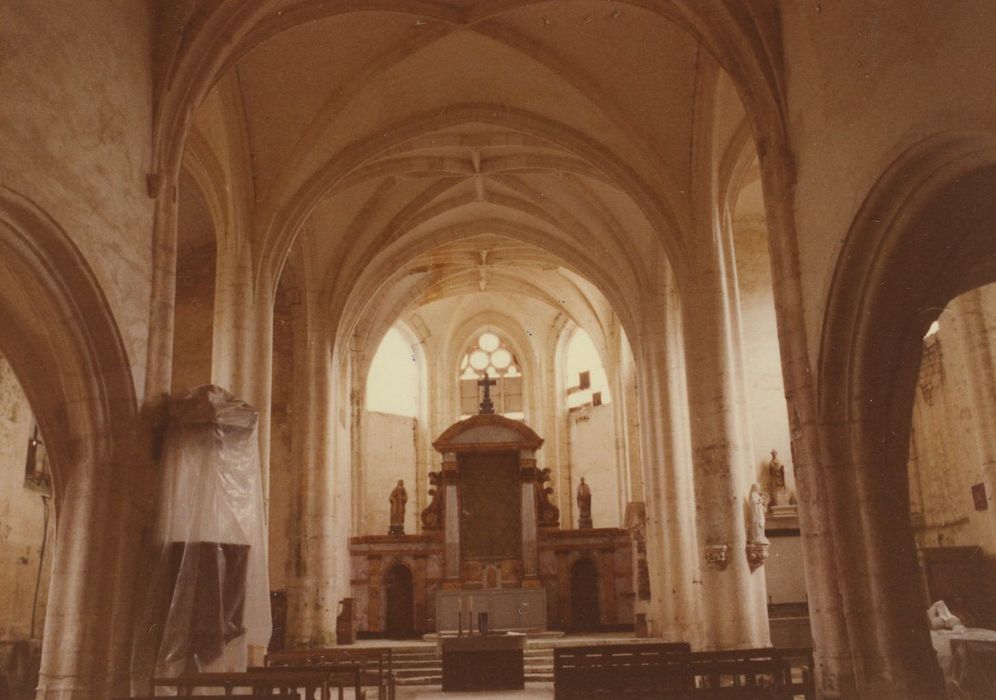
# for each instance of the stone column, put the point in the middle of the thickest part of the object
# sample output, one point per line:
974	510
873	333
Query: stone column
451	519
90	600
313	585
734	598
242	344
672	557
530	545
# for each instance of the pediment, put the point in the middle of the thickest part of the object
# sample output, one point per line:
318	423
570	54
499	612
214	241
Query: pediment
487	433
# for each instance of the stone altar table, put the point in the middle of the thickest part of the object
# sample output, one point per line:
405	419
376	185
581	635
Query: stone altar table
518	609
483	662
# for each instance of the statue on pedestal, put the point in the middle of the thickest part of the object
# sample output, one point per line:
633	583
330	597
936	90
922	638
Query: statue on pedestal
398	499
584	506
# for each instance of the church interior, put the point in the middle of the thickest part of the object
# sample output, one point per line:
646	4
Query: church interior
650	320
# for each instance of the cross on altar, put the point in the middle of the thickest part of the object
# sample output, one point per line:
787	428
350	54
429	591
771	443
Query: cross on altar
487	405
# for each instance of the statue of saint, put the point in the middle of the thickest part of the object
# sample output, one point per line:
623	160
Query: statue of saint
776	470
584	505
758	501
399	497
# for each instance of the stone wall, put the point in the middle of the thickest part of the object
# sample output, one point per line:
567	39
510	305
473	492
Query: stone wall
946	450
593	456
76	128
21	518
388	455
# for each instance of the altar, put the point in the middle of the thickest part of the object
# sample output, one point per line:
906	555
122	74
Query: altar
491	542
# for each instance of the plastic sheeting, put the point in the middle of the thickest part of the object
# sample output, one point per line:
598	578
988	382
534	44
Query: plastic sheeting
210	593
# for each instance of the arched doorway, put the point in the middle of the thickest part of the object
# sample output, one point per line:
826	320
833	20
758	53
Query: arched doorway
399	623
585	614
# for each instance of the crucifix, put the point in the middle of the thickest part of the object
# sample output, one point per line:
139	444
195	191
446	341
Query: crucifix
487	405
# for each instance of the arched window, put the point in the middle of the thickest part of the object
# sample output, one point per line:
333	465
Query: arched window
586	379
393	381
489	355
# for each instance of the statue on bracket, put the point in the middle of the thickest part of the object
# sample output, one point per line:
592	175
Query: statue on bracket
549	514
432	515
584	506
398	499
757	540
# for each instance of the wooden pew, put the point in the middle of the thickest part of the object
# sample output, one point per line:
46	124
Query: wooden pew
276	696
754	674
375	664
312	684
653	670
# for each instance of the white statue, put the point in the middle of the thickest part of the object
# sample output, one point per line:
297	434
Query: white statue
758	510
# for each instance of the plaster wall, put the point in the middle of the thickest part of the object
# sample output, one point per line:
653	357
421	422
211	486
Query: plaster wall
593	456
21	518
388	455
945	456
854	69
75	129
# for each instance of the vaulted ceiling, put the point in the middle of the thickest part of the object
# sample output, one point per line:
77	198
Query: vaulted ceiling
405	153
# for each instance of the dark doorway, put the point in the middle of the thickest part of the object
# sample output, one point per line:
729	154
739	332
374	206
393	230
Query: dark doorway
398	591
584	596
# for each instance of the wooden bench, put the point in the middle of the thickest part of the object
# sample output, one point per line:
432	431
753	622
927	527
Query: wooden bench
312	684
375	664
780	674
653	670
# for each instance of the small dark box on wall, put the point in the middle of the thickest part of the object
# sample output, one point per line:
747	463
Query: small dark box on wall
979	497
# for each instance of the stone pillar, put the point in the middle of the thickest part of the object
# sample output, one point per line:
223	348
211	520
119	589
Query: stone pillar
313	588
451	519
242	344
88	616
672	557
734	598
530	546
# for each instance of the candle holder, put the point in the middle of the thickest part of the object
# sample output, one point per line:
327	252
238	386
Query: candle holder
482	623
460	623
